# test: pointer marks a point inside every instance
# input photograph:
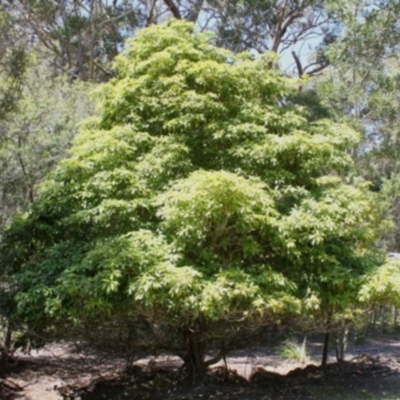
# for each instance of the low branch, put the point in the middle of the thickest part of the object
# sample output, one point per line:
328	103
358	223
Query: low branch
222	353
317	69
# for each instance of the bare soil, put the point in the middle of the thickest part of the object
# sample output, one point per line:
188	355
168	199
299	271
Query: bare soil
371	371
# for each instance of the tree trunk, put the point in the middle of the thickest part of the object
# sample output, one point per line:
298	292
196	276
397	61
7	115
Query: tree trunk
195	364
5	349
326	340
394	318
342	337
7	341
381	319
375	317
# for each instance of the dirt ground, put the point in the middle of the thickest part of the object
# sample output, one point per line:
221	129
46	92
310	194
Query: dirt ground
371	371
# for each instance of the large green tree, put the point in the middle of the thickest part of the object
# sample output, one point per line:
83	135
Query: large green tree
200	199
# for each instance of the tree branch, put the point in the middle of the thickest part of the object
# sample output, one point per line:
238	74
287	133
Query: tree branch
173	8
195	11
217	358
317	69
298	63
150	14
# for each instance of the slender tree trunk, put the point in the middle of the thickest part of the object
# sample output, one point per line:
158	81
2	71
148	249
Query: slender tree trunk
195	364
326	340
394	318
369	326
375	317
5	350
7	341
381	319
342	337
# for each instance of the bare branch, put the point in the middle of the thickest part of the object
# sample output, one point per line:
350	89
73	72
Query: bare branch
317	69
150	14
298	63
195	11
173	8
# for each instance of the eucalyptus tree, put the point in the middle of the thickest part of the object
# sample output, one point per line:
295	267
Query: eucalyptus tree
298	30
199	199
81	37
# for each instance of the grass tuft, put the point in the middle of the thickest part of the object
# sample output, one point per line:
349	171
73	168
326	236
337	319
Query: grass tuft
292	350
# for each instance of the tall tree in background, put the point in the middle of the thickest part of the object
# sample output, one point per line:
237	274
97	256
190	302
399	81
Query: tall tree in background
39	111
85	36
82	37
362	87
296	28
37	133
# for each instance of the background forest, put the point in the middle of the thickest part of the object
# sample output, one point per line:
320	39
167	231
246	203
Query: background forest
232	167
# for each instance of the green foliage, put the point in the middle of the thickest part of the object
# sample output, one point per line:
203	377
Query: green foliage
389	193
199	195
382	285
37	134
13	63
362	88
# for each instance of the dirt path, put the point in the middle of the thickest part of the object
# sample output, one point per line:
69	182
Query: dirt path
55	366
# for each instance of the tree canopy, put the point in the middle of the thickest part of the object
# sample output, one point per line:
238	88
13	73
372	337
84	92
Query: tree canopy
199	197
